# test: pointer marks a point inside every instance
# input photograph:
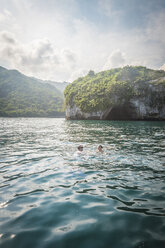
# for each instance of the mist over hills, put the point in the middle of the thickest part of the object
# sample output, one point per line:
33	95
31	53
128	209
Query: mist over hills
58	85
25	96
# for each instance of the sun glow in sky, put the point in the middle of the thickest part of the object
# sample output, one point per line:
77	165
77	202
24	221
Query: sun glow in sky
61	40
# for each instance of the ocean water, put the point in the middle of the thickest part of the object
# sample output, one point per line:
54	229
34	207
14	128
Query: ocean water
49	198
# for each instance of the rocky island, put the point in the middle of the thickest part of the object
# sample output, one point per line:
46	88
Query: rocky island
128	93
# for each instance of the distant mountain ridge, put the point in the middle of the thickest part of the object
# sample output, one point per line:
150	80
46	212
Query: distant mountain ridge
59	85
21	95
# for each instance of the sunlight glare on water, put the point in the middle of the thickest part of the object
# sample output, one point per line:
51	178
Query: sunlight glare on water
51	198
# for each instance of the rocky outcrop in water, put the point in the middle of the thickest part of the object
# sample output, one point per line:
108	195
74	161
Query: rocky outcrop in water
135	99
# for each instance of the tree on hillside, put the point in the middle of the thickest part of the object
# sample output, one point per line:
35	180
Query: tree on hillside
91	73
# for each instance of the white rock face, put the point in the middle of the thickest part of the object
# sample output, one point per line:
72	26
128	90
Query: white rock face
143	109
76	113
151	105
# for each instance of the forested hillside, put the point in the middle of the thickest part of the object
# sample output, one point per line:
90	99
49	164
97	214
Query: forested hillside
25	96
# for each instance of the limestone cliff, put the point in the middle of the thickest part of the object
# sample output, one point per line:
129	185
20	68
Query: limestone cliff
128	97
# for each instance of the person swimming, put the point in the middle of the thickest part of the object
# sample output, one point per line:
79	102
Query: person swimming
100	149
79	151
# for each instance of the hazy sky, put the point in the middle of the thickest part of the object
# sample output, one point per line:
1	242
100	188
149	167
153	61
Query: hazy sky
63	39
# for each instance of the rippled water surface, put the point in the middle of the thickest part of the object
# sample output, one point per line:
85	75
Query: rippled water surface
50	198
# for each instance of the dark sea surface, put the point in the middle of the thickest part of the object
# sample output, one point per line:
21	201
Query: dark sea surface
49	198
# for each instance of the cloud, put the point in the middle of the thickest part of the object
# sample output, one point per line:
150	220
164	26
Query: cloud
38	58
78	73
5	15
63	41
9	48
7	37
69	57
116	59
106	7
38	55
155	27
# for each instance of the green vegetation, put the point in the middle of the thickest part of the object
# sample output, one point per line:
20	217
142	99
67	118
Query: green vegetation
24	96
97	91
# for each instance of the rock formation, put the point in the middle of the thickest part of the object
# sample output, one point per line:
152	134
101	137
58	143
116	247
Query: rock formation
146	101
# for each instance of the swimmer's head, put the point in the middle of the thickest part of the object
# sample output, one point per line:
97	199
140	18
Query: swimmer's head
100	148
80	148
